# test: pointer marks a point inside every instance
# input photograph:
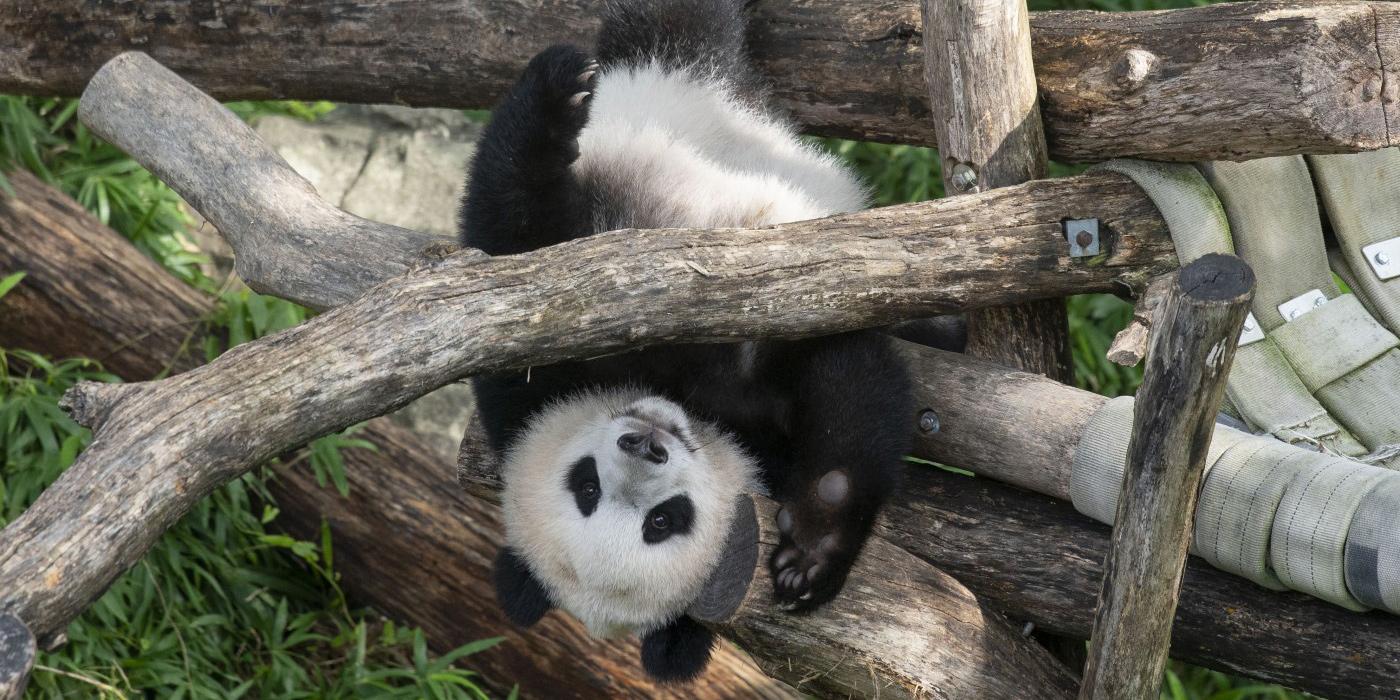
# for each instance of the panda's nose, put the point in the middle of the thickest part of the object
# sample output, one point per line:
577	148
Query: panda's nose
643	445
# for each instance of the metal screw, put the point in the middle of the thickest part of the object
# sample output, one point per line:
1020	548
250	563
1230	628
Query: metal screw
1319	302
1294	314
964	177
928	422
1382	259
1084	239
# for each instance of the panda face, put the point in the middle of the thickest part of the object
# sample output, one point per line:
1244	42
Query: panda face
620	505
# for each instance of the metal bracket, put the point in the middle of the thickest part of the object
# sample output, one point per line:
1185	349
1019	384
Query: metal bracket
1252	331
1384	258
1301	304
1083	237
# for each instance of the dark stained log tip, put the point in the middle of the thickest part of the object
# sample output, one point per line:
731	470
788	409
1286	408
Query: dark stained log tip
90	404
1216	277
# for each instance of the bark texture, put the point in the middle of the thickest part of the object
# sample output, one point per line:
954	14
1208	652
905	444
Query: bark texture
1235	81
982	91
86	295
991	248
1192	349
17	652
1038	560
425	559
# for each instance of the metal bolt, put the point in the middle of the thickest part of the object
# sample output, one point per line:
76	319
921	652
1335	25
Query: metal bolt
1382	258
964	177
1084	238
928	422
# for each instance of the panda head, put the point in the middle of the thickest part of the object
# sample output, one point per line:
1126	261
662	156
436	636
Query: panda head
618	506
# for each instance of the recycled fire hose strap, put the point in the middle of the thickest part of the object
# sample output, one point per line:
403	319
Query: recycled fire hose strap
1235	514
1360	194
1276	228
1100	459
1269	395
1262	387
1351	364
1307	548
1373	548
1193	213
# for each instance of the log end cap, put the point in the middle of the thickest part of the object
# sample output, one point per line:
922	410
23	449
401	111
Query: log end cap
1216	277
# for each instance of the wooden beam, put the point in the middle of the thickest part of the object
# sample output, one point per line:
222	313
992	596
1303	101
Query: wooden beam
1192	349
1229	81
89	292
991	248
982	90
1036	559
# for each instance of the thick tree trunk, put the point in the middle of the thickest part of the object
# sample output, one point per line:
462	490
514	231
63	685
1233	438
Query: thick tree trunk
1173	420
1233	81
425	559
87	295
1032	555
975	251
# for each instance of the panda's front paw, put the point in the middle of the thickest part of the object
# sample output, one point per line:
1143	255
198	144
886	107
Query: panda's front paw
820	540
558	85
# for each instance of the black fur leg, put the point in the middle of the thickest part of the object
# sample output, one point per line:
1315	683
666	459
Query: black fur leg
677	652
521	194
519	593
853	406
704	34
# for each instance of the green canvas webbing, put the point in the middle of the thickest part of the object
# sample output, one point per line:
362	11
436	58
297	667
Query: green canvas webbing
1276	514
1360	194
1373	548
1262	388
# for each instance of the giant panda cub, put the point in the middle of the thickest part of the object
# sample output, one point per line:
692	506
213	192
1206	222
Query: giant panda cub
622	474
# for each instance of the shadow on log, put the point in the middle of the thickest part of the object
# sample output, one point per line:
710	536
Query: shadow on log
407	541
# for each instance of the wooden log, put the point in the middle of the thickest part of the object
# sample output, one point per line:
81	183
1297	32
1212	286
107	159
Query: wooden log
417	547
291	243
1192	349
86	295
425	561
469	314
1038	560
900	628
1129	346
982	91
1233	81
17	650
428	559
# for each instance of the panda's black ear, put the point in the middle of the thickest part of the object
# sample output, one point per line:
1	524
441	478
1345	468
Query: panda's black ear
677	652
521	596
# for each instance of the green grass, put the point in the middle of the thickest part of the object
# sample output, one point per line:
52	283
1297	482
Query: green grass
224	605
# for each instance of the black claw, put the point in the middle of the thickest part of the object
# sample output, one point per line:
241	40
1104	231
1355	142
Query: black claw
784	521
785	558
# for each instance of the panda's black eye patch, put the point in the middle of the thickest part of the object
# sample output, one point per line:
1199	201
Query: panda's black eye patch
582	482
670	517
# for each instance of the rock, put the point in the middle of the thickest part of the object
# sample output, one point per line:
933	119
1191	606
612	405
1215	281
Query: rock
399	166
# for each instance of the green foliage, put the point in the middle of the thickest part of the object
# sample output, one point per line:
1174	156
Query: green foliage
221	606
252	111
43	135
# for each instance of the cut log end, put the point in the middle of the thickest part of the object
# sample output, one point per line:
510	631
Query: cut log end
89	404
1216	277
17	649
